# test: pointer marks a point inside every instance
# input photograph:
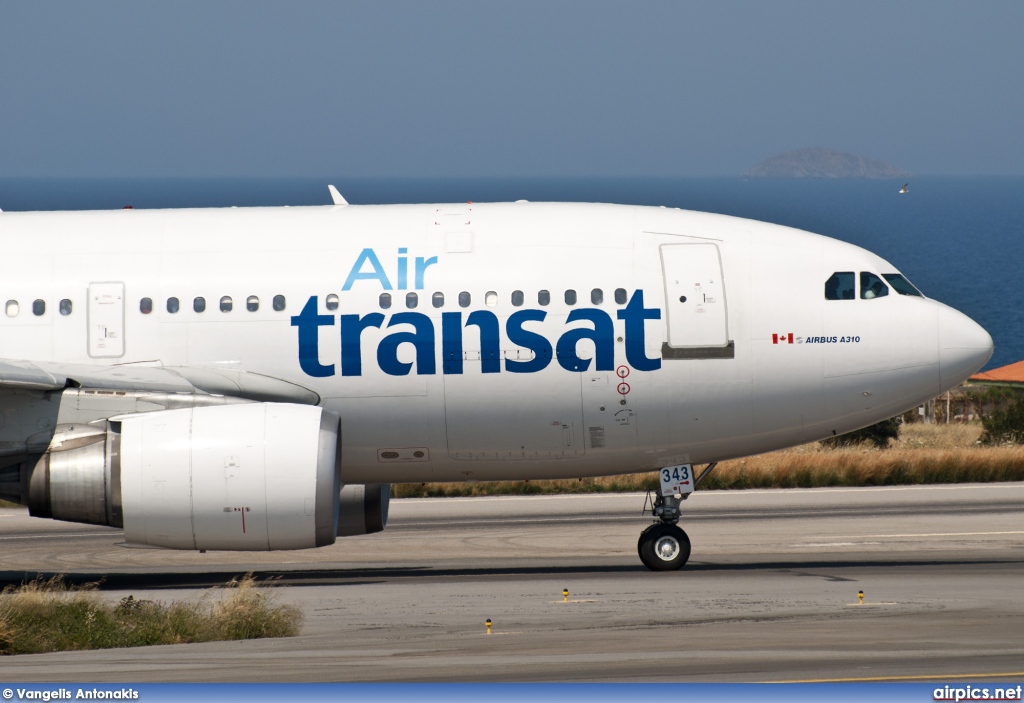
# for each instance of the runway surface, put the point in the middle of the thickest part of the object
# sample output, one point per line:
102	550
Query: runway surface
770	593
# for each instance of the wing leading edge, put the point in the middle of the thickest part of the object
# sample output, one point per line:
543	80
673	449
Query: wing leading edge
44	376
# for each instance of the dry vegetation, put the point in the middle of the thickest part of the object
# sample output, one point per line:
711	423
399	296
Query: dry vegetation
924	454
49	616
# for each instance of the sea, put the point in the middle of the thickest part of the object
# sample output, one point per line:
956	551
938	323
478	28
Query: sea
959	239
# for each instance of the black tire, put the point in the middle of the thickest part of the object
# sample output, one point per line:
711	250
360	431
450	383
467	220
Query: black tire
663	547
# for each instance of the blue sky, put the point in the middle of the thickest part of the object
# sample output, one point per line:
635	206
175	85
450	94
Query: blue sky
551	88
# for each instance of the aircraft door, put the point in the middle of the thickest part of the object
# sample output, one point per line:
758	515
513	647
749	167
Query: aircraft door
106	320
694	296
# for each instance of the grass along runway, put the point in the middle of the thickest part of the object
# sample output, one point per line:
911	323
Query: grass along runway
48	615
923	454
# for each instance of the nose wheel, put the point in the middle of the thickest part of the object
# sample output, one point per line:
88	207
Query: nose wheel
663	547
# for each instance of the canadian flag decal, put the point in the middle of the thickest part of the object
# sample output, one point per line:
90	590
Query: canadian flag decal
782	338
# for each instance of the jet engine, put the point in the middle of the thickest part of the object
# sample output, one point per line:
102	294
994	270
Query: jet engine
246	477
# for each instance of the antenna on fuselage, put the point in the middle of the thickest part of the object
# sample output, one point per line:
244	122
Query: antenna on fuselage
336	196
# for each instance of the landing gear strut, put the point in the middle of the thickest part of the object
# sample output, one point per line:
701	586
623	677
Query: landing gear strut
664	546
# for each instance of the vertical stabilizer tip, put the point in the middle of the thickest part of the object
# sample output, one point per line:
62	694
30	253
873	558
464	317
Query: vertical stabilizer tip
336	196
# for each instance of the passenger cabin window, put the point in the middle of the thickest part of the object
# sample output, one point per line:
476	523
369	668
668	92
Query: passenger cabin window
518	298
465	299
597	296
570	297
199	304
901	285
437	300
252	303
146	306
278	303
332	301
841	286
411	300
544	298
38	307
620	296
871	286
490	299
12	308
226	303
173	304
384	301
64	307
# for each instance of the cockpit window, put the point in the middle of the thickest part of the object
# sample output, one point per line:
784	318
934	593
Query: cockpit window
901	285
841	285
871	286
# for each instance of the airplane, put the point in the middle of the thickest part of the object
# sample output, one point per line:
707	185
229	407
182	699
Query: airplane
256	378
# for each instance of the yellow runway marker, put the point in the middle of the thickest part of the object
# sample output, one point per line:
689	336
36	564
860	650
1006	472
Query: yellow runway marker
488	623
860	602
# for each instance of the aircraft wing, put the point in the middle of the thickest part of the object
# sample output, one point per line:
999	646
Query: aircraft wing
29	375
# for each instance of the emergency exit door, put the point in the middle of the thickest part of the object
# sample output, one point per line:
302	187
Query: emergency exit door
106	320
694	296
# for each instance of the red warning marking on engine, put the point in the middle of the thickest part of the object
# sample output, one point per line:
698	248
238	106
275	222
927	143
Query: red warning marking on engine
243	510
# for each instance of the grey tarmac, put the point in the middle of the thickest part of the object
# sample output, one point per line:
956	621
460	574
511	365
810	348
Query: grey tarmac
770	593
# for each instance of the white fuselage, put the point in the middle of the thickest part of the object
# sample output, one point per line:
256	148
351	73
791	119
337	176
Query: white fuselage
480	369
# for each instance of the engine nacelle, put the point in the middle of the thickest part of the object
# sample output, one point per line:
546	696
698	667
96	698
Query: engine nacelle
244	477
364	509
255	476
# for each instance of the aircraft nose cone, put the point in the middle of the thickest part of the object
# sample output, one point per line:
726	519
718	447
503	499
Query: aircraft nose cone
964	347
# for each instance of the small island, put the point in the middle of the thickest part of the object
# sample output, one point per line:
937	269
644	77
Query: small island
816	162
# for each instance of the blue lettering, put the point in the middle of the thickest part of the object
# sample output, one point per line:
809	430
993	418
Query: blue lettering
603	337
377	274
451	343
421	267
422	338
536	343
490	342
452	346
352	327
403	269
636	315
309	324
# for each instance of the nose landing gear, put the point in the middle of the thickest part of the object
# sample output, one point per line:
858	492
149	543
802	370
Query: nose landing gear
664	546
